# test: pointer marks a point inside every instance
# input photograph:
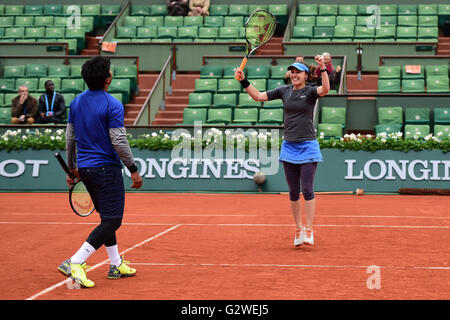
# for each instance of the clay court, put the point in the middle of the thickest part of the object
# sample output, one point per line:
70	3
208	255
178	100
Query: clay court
233	247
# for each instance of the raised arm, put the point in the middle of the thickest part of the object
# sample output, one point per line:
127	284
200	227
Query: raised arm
251	90
325	87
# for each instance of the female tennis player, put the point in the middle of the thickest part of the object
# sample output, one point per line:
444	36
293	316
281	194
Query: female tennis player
300	150
96	142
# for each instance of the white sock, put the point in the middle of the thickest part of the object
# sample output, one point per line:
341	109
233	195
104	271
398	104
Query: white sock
113	254
83	253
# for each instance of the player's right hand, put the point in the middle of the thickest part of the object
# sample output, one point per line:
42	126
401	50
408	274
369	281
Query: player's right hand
239	74
136	179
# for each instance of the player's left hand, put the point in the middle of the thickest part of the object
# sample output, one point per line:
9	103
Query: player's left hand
320	61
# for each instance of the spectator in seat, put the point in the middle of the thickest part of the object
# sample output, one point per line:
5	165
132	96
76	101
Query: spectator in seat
177	7
24	108
52	106
199	7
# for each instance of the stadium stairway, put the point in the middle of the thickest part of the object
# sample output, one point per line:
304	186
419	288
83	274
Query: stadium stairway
177	101
146	82
443	46
272	48
92	46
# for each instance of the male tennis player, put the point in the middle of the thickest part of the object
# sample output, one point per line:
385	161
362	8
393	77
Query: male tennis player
96	141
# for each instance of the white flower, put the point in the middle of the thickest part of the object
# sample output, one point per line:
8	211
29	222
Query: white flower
154	134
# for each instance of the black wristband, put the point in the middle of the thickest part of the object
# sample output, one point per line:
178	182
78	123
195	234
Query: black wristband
244	83
323	70
132	168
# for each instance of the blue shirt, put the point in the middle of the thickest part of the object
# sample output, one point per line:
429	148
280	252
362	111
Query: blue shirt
92	114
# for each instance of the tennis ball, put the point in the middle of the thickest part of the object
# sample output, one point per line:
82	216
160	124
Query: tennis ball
259	178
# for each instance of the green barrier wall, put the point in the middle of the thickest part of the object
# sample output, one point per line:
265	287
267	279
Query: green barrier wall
381	171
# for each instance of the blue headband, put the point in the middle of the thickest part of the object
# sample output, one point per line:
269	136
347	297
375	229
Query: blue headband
299	66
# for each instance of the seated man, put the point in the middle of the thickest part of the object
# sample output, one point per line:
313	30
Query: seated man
199	7
24	108
52	106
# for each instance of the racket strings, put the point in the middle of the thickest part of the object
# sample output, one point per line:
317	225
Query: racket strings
260	28
81	200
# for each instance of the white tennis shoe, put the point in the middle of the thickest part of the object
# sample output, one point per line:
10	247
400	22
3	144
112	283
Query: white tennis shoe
299	236
309	236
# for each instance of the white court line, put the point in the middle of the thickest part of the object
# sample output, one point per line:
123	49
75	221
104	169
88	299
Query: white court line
232	225
51	288
263	265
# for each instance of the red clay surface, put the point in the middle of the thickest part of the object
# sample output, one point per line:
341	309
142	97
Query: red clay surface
232	247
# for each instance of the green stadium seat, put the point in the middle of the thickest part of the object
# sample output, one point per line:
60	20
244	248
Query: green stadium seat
140	10
228	32
388	128
274	83
206	85
417	115
34	33
54	32
437	70
348	9
125	32
363	20
127	72
211	72
228	71
8	100
7	85
53	9
325	21
407	21
238	10
200	99
323	32
72	85
208	33
2	99
60	21
386	32
173	21
328	9
14	33
273	104
259	84
193	21
223	100
110	9
442	115
91	10
146	32
75	71
36	70
437	84
441	131
428	21
188	33
362	32
218	9
6	22
133	21
344	31
329	130
245	101
30	83
247	116
24	21
121	86
305	21
153	21
413	85
389	72
219	115
308	10
427	9
363	9
333	115
271	116
213	21
14	10
68	98
349	20
407	33
14	71
390	115
228	85
233	21
388	21
158	10
420	130
427	32
300	32
407	9
5	115
191	115
278	72
258	72
388	9
117	96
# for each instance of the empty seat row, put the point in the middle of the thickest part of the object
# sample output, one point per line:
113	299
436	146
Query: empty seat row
59	9
368	9
184	21
401	21
413	71
429	84
229	85
207	99
181	32
223	116
251	71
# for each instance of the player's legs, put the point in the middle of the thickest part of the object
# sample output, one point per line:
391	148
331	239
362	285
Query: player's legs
292	173
307	181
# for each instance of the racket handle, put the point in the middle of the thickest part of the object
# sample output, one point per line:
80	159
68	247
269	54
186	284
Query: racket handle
64	165
242	66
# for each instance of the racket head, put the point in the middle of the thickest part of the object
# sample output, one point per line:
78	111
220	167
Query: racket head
260	27
80	200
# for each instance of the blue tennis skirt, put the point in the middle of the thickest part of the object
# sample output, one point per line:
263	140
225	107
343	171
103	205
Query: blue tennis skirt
300	152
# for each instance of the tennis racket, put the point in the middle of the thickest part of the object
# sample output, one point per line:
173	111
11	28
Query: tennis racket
79	198
259	29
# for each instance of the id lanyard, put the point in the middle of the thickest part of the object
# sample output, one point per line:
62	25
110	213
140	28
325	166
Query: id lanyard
50	110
